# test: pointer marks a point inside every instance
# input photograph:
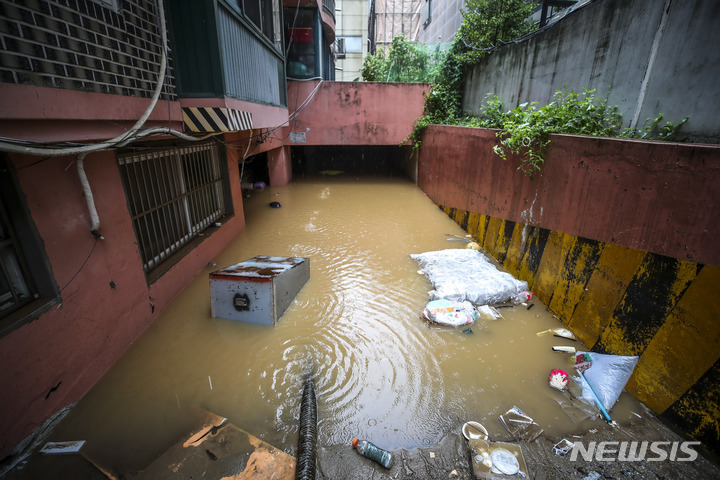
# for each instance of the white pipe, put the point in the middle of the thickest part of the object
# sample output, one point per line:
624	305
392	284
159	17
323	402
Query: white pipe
57	152
94	218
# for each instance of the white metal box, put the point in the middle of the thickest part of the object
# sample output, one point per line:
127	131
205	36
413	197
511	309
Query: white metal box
258	290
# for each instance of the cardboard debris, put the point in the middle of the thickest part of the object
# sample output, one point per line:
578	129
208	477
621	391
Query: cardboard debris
220	450
85	465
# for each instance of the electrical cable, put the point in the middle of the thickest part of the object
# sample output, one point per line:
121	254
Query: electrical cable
242	169
81	266
292	29
104	145
292	116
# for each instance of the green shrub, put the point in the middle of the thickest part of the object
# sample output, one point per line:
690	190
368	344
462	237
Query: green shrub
525	129
486	25
405	62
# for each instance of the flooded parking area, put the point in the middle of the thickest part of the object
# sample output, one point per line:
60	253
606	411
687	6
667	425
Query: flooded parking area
381	372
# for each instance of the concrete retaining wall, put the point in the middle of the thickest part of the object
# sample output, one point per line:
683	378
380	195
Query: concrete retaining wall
354	113
646	56
617	238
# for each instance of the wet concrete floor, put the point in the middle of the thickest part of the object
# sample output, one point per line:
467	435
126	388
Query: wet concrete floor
381	372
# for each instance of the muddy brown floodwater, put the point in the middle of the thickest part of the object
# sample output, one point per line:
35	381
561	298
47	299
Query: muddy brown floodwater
381	372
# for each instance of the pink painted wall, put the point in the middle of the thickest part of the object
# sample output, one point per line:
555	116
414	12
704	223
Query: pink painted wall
75	115
355	113
249	143
75	343
280	166
653	196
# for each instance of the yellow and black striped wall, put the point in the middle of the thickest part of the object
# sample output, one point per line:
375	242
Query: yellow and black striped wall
624	301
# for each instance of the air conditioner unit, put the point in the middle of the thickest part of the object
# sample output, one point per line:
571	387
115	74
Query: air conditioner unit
339	47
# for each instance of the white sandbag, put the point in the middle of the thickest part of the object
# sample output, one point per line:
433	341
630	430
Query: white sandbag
467	275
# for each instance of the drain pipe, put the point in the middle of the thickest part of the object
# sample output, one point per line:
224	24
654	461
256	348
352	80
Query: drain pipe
305	464
87	191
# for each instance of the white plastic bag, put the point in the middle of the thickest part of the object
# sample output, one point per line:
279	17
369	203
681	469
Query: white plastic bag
608	376
450	313
467	275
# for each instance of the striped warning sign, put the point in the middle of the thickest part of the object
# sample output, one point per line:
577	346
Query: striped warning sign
215	119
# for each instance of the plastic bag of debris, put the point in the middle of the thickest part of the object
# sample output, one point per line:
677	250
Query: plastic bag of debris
608	375
467	275
447	312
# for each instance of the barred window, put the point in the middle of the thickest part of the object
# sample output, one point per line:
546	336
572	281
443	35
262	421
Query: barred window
266	15
173	196
27	287
16	287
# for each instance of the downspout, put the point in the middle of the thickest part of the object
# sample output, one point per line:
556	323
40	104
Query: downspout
87	191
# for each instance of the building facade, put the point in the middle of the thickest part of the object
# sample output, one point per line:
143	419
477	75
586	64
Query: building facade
125	127
351	45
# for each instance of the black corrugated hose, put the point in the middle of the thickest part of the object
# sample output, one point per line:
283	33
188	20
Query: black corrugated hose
305	464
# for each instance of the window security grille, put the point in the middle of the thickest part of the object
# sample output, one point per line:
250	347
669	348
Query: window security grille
340	47
15	281
173	195
27	285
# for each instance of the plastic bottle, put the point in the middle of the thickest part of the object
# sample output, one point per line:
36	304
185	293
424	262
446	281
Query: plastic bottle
521	297
373	452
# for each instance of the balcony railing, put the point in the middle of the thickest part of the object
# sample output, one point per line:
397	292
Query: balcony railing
253	69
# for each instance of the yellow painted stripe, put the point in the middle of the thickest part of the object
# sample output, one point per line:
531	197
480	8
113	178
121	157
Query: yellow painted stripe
516	249
221	125
531	247
553	259
459	216
616	338
501	242
613	272
571	280
206	127
188	121
684	348
482	228
491	235
473	227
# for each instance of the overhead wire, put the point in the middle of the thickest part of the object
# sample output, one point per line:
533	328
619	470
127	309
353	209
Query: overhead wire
136	132
292	29
106	144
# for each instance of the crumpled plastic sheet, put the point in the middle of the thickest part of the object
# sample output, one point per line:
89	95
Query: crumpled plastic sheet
467	275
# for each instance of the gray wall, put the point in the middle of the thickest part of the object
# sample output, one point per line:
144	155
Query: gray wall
645	56
445	20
